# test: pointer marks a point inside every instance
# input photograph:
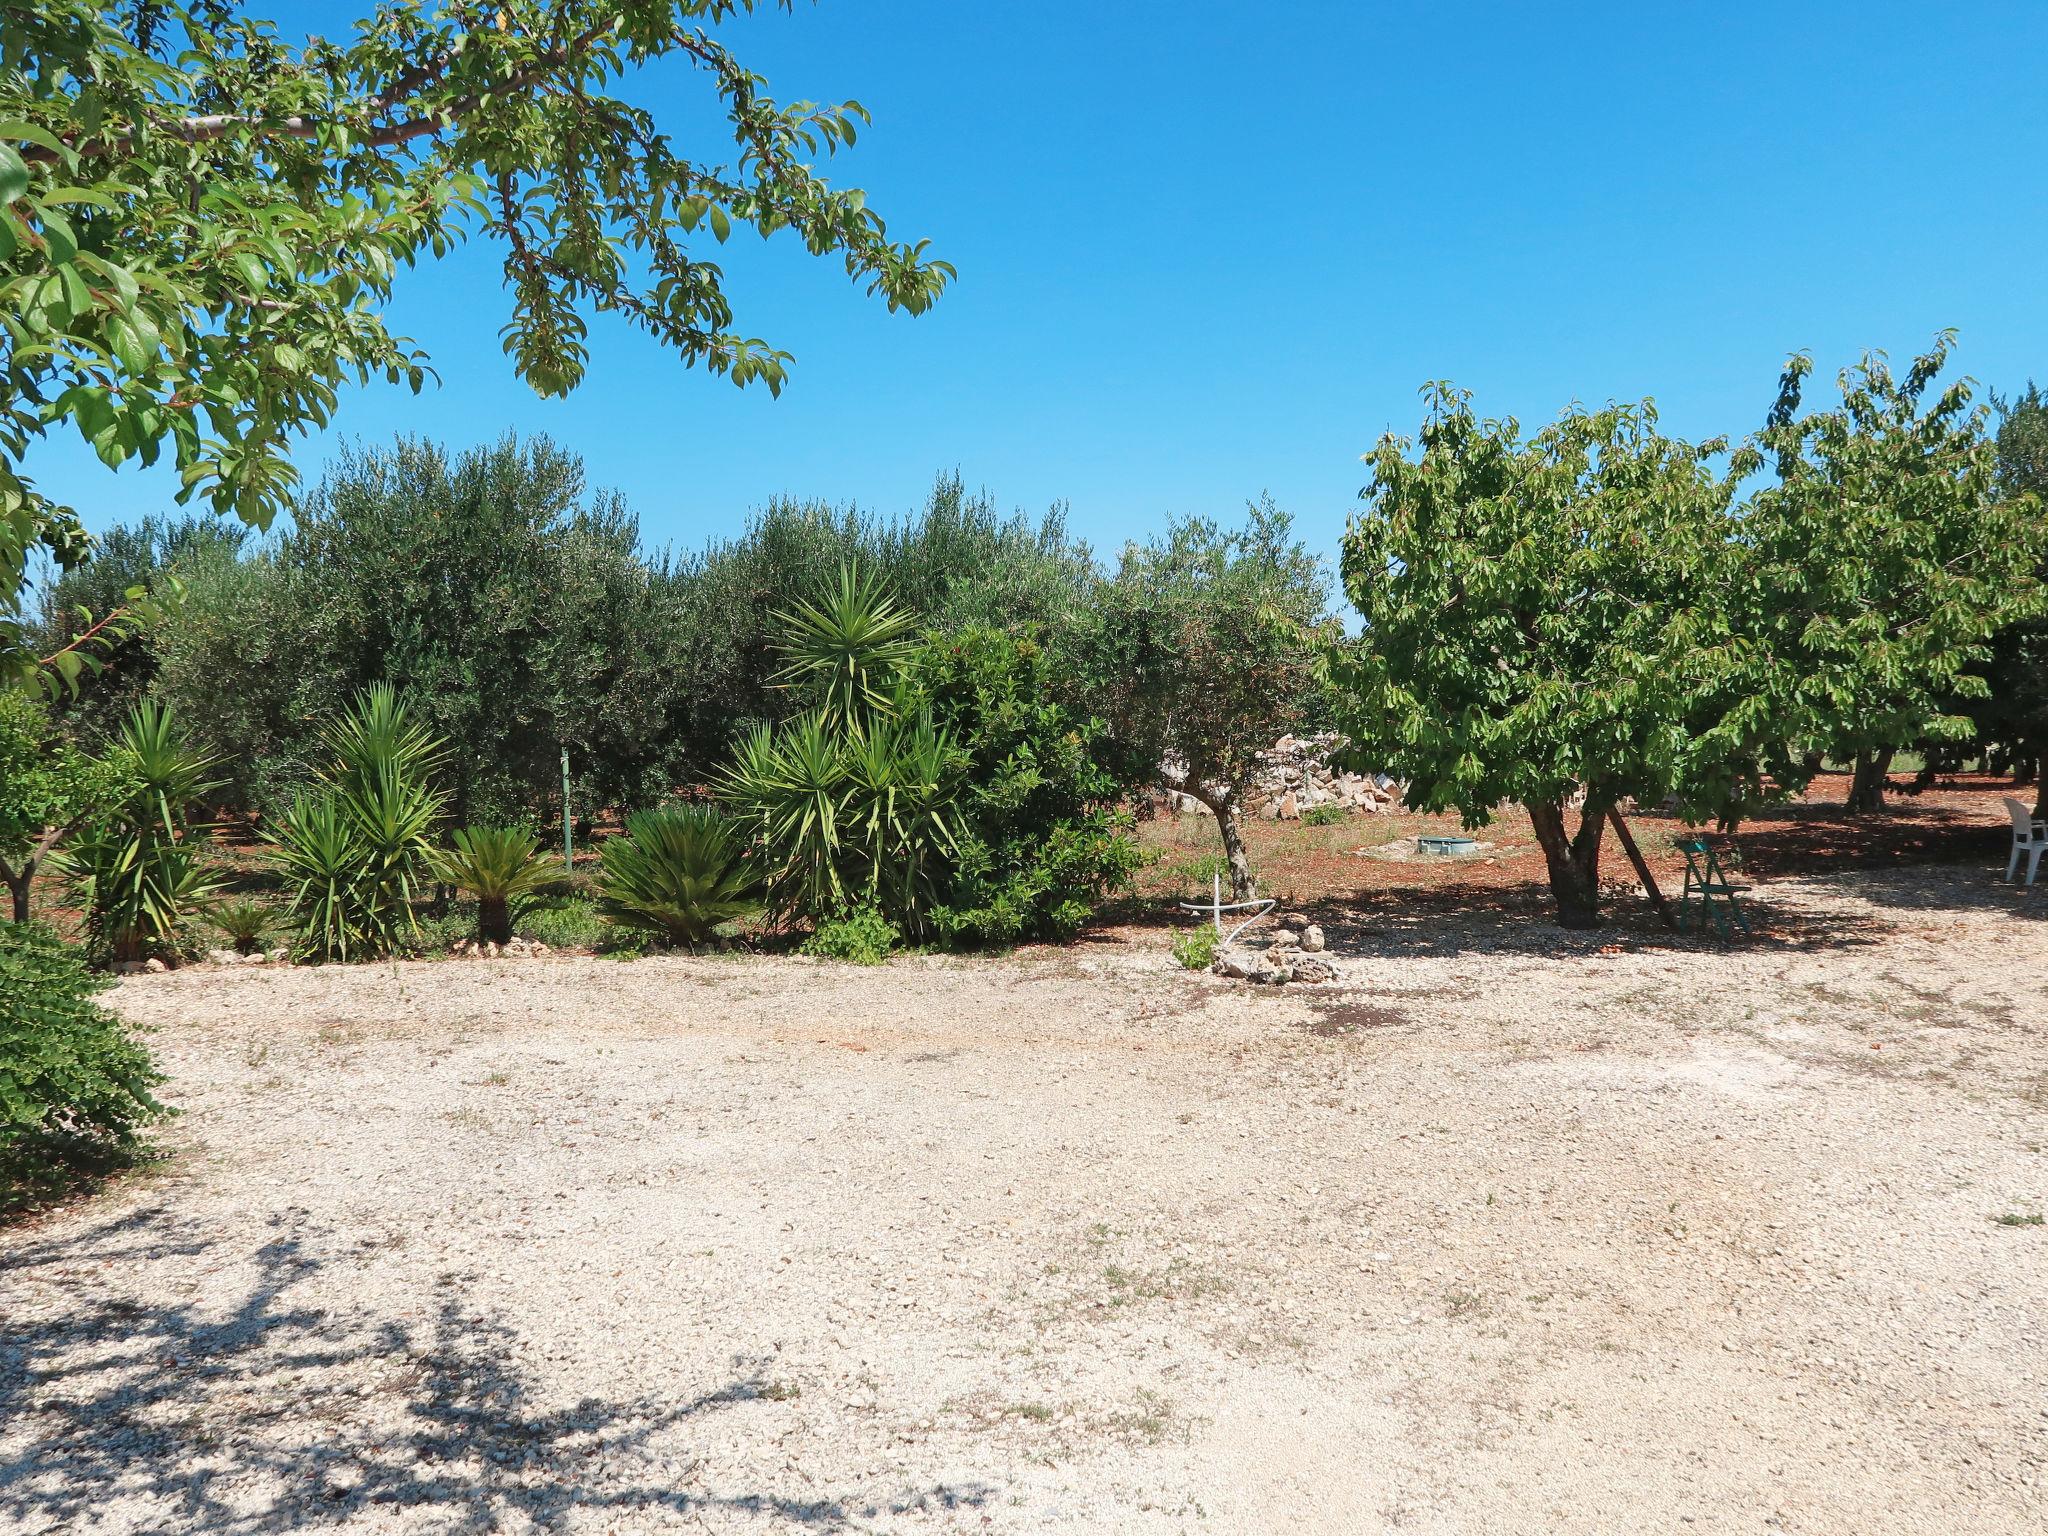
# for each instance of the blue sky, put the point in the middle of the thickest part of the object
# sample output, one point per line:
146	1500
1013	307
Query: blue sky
1211	250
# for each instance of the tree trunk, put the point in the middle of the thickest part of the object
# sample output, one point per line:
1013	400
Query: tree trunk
1222	805
1573	861
17	887
1867	785
494	919
1811	763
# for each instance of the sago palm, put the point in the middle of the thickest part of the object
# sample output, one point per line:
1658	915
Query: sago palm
503	868
678	872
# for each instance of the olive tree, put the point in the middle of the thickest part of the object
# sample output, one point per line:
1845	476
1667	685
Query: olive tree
1554	621
201	221
1200	650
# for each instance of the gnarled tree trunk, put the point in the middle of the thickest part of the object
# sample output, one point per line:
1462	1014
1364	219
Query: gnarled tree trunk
1573	860
1867	786
1222	804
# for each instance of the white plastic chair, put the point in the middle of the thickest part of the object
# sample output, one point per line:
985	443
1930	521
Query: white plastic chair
2029	838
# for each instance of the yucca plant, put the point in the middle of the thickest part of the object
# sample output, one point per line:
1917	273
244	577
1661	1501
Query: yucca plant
503	868
791	785
326	868
380	771
678	872
242	922
138	868
904	773
847	648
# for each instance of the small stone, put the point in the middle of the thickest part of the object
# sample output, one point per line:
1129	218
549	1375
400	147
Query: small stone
1285	938
154	965
279	955
222	957
255	957
1237	967
1295	920
538	949
1314	968
1312	938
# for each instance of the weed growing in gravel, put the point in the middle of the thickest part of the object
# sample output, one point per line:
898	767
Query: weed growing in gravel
1196	947
2019	1219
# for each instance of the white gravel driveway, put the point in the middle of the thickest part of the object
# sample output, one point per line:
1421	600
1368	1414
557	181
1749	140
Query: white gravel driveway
1506	1235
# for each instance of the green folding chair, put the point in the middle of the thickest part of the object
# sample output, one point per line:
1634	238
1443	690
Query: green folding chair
1706	879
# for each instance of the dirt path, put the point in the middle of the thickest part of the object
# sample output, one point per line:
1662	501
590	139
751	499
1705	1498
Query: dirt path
1499	1237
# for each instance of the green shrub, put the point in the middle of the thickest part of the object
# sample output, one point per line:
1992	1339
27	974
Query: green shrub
1196	948
678	872
1040	833
380	773
504	869
861	937
1328	814
75	1083
571	923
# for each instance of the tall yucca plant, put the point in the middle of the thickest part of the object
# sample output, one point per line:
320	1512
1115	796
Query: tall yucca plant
379	772
848	647
792	786
503	868
139	867
326	870
904	772
678	872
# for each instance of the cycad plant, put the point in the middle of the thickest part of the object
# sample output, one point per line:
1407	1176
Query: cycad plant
139	867
503	868
678	872
243	922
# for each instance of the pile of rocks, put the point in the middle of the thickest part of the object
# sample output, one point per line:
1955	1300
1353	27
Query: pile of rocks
276	956
1294	952
484	949
1294	775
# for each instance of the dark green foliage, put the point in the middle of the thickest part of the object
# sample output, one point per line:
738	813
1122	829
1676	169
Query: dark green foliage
74	1080
1328	814
1041	836
677	872
571	923
48	788
862	937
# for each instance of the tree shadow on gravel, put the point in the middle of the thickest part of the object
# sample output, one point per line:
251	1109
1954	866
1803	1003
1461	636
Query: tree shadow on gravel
285	1416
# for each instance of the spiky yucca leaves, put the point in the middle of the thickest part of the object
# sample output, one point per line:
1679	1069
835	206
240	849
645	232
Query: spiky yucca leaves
326	869
904	772
791	785
139	867
502	867
678	872
848	647
381	767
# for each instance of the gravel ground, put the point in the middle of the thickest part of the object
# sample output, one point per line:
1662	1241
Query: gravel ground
1508	1233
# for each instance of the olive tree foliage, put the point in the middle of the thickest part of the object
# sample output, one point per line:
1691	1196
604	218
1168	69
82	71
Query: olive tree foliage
201	221
1555	621
1199	650
1889	559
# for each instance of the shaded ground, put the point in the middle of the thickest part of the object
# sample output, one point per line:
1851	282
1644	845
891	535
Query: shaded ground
1512	1232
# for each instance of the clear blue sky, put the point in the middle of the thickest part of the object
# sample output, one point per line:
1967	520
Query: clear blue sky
1207	250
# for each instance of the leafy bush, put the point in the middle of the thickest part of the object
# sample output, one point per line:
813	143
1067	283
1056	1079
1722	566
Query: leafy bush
570	923
138	868
1328	814
74	1080
861	937
1040	835
1196	948
677	872
242	922
503	868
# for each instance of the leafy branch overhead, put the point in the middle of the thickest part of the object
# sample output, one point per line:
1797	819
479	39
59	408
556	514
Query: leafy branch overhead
200	222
